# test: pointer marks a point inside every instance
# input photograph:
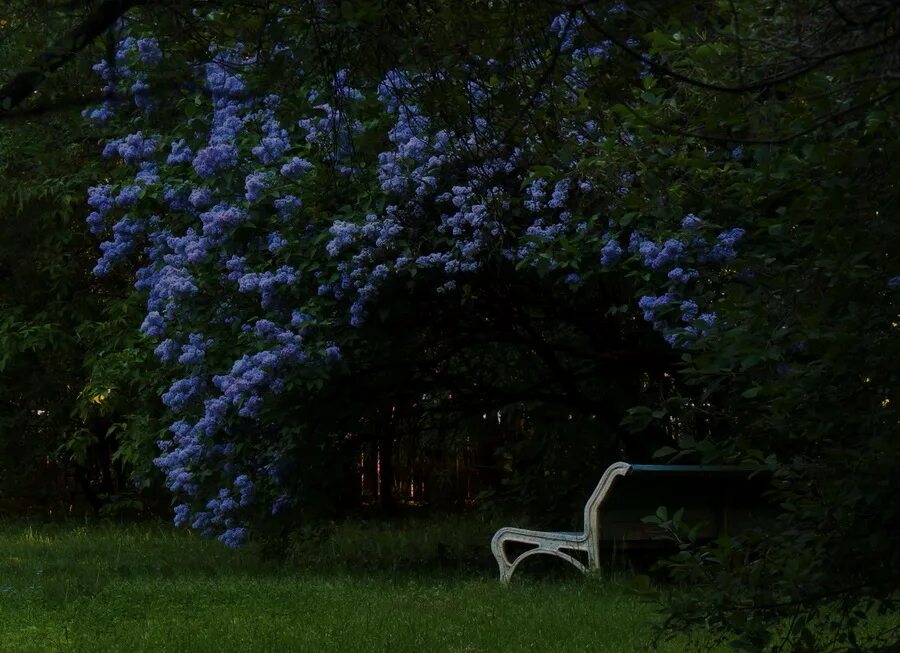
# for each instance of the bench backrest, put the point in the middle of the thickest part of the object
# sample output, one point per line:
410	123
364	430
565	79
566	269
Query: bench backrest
725	497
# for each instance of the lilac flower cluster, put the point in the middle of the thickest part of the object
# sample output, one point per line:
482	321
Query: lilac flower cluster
220	512
266	283
132	59
101	200
213	158
230	107
132	148
565	27
611	253
181	153
408	172
672	256
148	50
251	376
555	208
273	144
125	232
723	249
183	392
334	131
178	456
255	184
410	167
286	206
295	168
193	352
169	278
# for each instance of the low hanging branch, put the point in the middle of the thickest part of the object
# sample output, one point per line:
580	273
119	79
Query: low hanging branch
22	85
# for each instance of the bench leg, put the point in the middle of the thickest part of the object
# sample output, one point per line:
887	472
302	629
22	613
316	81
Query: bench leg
507	568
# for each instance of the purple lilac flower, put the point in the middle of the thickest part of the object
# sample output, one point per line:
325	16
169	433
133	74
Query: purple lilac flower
287	205
100	198
671	251
200	198
134	147
182	515
148	175
193	352
176	198
148	51
213	158
140	90
649	304
180	153
536	193
691	222
611	253
104	70
723	249
124	47
183	392
272	145
122	244
560	194
95	223
565	27
679	275
154	325
167	350
344	235
255	184
98	114
221	218
245	488
233	537
275	242
128	196
295	168
689	310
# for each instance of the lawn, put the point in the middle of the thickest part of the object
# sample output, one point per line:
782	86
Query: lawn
148	588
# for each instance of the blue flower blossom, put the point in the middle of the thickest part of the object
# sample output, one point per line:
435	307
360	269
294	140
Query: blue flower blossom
148	50
233	537
286	206
255	184
275	242
180	153
214	158
691	222
295	168
679	275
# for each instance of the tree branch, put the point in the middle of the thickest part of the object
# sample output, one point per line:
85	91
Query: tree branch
661	69
22	85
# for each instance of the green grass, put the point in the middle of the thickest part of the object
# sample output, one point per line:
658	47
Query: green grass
143	588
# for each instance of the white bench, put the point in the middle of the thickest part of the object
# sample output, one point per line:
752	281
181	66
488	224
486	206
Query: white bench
563	544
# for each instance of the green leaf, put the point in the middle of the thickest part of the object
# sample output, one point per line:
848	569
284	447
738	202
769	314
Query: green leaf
751	392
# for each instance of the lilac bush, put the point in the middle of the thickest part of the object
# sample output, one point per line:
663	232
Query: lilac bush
254	278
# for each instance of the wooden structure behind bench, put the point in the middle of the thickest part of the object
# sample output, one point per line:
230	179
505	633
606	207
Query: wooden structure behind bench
723	498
